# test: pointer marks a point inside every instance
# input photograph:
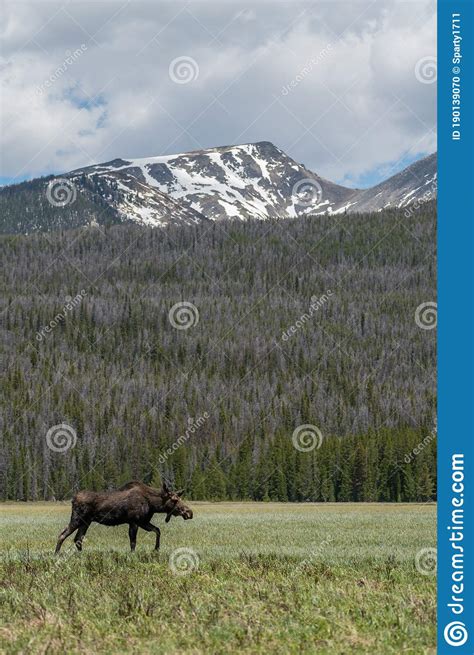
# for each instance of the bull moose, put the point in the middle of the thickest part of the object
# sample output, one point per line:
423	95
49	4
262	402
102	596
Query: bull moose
134	503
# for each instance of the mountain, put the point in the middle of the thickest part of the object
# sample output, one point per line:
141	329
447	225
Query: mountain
256	180
265	305
76	200
416	183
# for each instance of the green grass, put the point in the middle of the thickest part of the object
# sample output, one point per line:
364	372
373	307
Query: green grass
271	578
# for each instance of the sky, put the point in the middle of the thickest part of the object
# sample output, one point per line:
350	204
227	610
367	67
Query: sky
345	88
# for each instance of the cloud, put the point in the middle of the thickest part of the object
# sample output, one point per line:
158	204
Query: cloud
333	84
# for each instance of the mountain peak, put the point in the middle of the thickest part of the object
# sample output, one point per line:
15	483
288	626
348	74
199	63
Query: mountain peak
264	146
241	181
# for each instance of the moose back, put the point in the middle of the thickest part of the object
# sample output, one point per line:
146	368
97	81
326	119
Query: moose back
135	503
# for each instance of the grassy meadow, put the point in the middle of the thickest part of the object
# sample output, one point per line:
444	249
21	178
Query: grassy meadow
254	578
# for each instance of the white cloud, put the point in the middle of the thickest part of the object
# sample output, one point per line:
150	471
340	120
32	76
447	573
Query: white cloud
355	109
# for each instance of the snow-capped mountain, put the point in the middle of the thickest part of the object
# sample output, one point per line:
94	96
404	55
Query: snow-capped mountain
256	180
416	183
144	203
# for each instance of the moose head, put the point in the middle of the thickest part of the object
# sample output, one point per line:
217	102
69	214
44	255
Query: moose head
173	505
134	503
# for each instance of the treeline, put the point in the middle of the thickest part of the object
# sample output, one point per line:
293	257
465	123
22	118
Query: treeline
379	466
27	207
132	386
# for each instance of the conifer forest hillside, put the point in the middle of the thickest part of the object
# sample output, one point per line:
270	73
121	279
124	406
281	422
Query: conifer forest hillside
285	360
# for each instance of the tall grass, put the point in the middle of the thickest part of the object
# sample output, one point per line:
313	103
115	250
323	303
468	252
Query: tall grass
261	578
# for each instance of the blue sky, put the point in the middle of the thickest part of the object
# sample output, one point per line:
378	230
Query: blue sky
369	179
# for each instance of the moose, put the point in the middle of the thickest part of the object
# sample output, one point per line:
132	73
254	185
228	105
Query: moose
133	503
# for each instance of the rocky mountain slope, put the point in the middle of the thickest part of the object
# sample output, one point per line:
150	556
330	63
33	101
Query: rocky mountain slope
256	180
414	184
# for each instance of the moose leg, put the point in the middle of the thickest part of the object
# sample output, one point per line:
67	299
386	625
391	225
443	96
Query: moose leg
132	534
68	530
80	534
149	527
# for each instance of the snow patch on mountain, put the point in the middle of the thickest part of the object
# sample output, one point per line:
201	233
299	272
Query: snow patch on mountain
254	180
